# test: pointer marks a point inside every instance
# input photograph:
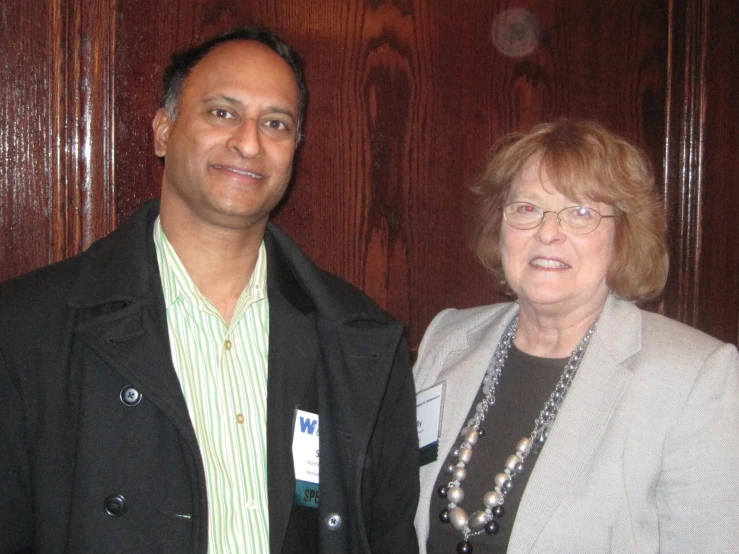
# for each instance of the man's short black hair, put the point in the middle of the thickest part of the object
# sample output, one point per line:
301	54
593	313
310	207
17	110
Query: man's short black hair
183	62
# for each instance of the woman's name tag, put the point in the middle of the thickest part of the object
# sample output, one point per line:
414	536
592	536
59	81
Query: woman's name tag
428	421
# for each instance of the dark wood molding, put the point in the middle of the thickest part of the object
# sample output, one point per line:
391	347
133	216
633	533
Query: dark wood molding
683	161
83	196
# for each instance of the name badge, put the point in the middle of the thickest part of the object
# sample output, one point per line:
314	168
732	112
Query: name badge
305	458
429	403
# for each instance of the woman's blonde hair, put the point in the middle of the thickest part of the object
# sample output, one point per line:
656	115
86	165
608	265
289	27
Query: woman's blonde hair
586	163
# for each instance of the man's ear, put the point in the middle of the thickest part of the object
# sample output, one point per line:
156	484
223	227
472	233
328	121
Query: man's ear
161	125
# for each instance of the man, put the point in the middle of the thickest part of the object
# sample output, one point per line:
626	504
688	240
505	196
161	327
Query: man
157	392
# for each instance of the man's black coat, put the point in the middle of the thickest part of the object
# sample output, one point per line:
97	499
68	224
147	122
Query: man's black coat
74	334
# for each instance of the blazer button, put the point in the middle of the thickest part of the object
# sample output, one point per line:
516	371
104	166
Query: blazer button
333	521
130	396
115	505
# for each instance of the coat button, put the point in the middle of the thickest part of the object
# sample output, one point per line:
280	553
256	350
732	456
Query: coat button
130	396
333	521
115	505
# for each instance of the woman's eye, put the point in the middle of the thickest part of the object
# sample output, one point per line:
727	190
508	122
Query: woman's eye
582	212
526	209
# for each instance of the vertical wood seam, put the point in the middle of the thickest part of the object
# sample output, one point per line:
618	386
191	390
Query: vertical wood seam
58	179
82	124
684	155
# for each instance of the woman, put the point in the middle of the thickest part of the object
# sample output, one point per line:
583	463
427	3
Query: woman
635	416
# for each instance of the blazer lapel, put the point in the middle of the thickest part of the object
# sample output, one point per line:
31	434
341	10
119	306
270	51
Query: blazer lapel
462	372
581	423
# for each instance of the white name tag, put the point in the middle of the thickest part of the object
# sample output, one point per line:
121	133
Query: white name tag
305	458
429	404
305	446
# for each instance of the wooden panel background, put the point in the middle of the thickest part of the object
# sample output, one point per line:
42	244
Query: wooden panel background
406	97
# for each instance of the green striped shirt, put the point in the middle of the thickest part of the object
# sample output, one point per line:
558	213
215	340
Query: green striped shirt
223	373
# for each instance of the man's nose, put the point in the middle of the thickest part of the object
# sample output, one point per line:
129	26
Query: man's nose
246	139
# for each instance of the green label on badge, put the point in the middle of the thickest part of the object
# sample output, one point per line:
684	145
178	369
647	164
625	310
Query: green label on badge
306	494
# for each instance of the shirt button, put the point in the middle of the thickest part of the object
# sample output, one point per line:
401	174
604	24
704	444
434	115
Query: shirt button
227	345
240	418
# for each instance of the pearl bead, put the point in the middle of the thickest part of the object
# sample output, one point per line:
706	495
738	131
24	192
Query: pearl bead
464	547
444	516
498	512
459	474
442	491
511	462
492	499
455	495
524	445
491	527
481	432
500	479
458	518
465	455
520	468
478	520
472	437
449	468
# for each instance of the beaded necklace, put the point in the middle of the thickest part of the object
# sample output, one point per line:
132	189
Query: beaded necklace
486	520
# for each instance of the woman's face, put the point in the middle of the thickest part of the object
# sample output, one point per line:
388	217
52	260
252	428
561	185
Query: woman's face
551	270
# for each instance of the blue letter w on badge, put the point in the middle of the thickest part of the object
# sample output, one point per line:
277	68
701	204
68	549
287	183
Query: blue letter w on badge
309	426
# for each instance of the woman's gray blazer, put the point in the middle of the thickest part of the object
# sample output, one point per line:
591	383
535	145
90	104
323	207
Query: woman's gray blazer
644	455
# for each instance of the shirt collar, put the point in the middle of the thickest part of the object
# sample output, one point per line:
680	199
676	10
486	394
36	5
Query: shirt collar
176	281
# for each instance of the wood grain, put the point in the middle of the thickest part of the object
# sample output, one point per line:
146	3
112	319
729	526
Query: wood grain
57	158
26	143
83	50
717	286
406	99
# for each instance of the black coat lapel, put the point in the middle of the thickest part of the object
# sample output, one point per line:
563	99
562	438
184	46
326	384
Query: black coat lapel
293	353
134	342
119	291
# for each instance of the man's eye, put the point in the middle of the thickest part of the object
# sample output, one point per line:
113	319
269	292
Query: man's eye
221	113
276	125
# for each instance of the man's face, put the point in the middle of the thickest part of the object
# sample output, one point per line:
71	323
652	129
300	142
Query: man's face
229	152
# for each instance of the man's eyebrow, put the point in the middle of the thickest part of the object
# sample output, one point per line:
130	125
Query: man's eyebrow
284	111
236	102
223	98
